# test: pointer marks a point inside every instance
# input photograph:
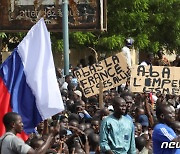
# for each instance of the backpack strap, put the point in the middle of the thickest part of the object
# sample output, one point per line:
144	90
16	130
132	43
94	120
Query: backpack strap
2	141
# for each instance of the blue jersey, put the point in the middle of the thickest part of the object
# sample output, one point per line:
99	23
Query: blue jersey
163	133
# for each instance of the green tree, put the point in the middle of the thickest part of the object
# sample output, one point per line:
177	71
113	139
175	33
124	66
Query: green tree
164	24
154	24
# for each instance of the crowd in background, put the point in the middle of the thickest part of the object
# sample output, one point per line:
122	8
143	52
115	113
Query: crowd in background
81	120
85	128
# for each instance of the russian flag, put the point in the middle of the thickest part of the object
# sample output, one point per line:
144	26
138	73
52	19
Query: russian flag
28	83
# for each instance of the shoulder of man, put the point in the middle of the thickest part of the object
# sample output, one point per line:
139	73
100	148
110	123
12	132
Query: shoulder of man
160	125
125	49
17	144
163	130
5	135
108	119
128	120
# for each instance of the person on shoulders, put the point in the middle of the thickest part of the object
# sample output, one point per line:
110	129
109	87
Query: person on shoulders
126	50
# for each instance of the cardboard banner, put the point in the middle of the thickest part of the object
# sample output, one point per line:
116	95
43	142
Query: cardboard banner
112	71
156	79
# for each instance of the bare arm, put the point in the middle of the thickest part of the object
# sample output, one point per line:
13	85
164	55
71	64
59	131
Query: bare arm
44	147
147	107
46	128
86	146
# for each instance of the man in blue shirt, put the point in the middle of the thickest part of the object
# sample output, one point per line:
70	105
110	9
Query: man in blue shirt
116	132
163	131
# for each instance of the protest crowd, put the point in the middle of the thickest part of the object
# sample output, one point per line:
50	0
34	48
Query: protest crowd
122	122
127	123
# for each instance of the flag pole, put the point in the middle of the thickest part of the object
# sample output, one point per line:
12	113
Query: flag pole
65	36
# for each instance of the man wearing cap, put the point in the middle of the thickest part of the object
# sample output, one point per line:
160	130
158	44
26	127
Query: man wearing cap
143	120
77	95
126	50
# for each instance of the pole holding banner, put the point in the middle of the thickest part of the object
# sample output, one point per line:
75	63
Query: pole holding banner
96	55
65	36
101	102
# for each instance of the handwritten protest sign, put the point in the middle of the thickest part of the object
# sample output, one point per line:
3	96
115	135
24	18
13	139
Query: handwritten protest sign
112	71
158	79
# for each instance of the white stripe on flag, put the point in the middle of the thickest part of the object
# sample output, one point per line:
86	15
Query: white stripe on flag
36	55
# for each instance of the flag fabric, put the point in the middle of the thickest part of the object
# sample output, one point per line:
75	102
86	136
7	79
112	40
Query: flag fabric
28	83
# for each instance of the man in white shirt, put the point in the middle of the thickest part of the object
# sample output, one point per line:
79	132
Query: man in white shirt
11	144
126	50
68	79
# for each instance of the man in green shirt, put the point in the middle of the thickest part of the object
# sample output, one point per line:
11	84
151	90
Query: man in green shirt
116	132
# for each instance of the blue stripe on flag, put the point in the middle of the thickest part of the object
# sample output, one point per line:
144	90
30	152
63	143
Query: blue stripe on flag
22	99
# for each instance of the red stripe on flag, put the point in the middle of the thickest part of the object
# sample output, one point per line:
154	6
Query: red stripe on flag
4	105
23	136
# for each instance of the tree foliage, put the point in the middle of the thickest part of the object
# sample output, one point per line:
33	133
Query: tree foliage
80	39
154	24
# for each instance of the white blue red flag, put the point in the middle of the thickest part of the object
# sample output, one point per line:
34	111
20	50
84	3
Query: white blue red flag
28	83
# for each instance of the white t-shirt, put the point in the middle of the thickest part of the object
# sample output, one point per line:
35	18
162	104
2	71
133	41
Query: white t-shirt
127	54
11	144
64	86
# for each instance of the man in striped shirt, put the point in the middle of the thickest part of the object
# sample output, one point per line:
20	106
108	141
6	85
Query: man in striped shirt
164	138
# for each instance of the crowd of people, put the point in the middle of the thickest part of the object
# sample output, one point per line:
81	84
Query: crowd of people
129	123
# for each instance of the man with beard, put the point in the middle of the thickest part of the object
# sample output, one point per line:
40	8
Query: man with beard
116	132
163	131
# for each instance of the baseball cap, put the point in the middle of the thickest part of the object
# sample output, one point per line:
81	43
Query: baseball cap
77	92
143	120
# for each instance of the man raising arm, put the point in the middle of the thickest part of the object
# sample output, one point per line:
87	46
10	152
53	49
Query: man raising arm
11	144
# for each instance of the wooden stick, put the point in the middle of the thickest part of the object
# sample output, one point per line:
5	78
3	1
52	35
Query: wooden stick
101	102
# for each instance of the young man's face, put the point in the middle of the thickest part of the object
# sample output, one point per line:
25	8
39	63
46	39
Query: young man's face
18	125
169	115
40	126
120	106
129	102
95	125
69	79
